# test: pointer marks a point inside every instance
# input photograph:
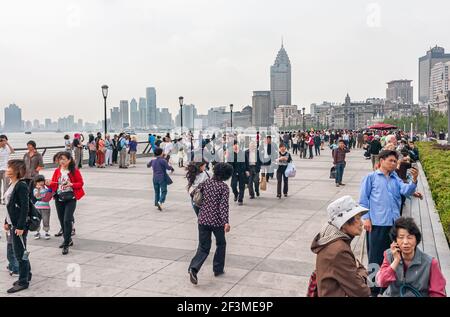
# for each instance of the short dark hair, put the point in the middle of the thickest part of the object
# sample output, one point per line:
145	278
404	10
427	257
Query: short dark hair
386	153
66	137
281	145
223	171
4	137
158	151
19	167
341	140
39	178
32	143
409	225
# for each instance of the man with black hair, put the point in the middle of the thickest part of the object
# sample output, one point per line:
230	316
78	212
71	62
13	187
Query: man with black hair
240	172
5	151
381	193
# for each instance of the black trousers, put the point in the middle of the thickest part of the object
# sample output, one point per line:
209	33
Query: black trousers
204	246
238	179
115	154
282	178
65	215
311	151
253	181
378	241
24	266
402	205
294	148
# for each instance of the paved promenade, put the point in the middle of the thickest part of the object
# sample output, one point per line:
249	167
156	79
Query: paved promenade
124	246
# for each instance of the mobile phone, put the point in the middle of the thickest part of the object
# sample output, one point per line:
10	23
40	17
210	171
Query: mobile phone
415	165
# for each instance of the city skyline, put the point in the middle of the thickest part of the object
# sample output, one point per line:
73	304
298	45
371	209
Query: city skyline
357	39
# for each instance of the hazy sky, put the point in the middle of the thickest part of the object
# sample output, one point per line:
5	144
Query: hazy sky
56	54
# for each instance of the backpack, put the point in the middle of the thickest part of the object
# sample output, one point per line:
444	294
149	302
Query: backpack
119	145
34	217
312	286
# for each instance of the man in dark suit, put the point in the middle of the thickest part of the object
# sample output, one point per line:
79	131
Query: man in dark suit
240	172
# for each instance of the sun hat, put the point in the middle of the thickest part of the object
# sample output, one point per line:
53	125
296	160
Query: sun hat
342	210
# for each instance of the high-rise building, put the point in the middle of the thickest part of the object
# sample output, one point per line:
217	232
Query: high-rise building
125	114
36	124
151	106
165	118
116	120
400	91
143	112
13	118
426	63
439	85
280	81
287	116
134	114
261	109
48	124
218	116
80	125
189	115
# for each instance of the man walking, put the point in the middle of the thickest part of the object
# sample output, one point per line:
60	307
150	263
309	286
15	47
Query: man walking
374	151
381	193
317	143
240	173
5	152
253	162
339	162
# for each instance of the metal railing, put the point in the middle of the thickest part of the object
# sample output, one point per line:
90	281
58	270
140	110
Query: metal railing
48	152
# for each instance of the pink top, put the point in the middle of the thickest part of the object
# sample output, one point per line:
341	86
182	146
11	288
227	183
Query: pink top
387	275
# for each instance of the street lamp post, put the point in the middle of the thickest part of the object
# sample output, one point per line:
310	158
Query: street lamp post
105	95
231	119
303	124
181	99
428	121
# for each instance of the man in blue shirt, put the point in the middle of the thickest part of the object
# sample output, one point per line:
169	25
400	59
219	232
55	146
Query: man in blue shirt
381	193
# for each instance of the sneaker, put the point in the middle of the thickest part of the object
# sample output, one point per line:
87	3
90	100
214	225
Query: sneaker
279	196
17	288
193	277
37	236
160	206
47	236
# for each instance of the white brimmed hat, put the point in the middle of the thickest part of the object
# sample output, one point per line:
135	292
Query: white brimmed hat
342	210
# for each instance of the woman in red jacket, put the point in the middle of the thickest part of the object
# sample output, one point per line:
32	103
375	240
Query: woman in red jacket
67	184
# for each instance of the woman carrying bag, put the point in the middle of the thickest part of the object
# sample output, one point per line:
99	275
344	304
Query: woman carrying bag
67	186
17	200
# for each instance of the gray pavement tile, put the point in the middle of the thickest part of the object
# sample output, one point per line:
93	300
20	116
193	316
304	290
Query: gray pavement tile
148	251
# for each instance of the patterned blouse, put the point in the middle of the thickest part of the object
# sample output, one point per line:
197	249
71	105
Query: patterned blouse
215	206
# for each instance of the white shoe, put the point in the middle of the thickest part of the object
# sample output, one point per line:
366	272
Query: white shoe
160	206
47	236
37	236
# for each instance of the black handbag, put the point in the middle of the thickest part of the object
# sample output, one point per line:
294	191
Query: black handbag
66	196
169	181
34	218
333	172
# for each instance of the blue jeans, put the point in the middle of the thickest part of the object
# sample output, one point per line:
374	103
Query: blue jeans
339	172
13	265
160	188
92	158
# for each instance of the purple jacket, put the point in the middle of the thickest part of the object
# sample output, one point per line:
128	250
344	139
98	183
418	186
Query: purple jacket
215	208
160	167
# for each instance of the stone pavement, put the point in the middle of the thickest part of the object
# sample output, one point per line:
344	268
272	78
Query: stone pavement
125	247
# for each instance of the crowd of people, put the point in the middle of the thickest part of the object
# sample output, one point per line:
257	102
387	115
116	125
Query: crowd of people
249	163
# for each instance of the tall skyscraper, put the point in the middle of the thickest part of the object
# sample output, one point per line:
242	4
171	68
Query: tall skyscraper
13	118
280	81
400	91
134	114
434	55
143	112
440	85
116	122
189	116
261	108
124	114
48	124
151	106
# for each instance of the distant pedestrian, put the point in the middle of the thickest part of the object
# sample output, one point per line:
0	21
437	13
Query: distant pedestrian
160	178
67	143
77	146
33	161
115	153
109	151
122	150
339	162
92	150
5	153
101	151
196	175
43	196
133	150
253	162
284	158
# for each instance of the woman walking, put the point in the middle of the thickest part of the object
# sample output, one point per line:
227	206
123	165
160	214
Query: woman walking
160	177
18	203
67	184
115	153
213	219
283	160
77	146
196	175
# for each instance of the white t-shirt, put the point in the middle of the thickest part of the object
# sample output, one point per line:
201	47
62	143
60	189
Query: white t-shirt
5	152
63	179
168	147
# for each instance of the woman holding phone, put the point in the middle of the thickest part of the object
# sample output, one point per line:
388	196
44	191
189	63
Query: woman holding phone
406	270
67	186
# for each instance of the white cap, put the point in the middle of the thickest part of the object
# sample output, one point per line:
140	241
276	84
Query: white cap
342	210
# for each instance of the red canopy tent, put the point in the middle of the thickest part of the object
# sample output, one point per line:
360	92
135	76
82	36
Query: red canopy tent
383	126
